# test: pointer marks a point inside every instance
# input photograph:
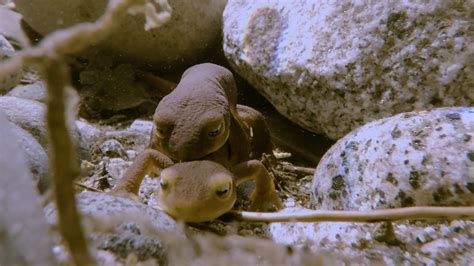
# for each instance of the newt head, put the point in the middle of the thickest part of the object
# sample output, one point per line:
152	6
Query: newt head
196	191
194	120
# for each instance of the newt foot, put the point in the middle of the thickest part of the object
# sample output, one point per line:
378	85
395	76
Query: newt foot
127	195
269	201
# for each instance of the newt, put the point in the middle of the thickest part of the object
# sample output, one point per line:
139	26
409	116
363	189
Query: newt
200	129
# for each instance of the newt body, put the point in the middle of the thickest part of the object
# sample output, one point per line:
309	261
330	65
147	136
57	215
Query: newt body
201	121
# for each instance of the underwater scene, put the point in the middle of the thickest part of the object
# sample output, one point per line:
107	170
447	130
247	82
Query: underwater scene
236	132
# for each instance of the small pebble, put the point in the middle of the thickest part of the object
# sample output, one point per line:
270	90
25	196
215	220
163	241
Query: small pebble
290	202
112	148
131	154
143	126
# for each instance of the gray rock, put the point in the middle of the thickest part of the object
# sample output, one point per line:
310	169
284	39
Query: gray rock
141	126
138	134
417	158
107	89
36	157
10	77
131	154
334	66
90	134
123	226
11	27
25	239
30	115
116	167
112	148
35	92
131	239
423	243
27	114
194	28
104	205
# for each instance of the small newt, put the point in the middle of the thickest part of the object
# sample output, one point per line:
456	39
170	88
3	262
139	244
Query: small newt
200	121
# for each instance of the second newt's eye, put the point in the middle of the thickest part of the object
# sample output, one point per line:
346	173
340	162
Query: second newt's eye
223	190
217	130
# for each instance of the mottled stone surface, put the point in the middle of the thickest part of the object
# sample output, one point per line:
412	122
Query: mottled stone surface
35	91
122	226
28	119
137	134
107	89
194	28
30	115
417	158
332	66
112	148
24	234
11	77
11	26
35	155
419	242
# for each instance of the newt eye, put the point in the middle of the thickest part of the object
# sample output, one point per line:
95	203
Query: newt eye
217	130
163	184
223	190
160	133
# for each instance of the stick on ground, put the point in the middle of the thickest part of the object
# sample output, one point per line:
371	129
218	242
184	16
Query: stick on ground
409	213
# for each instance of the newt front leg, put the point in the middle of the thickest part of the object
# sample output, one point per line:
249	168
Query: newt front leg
146	162
264	196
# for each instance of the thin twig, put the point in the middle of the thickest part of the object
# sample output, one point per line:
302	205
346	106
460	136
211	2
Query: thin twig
409	213
64	162
299	169
88	187
48	57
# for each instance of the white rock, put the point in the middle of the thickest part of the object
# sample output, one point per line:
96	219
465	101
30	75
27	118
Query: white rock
332	66
417	158
194	28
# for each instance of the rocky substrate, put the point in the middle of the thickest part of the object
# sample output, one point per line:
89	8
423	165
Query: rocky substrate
332	66
410	159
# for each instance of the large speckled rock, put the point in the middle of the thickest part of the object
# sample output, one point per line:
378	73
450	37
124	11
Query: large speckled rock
194	28
24	234
332	66
417	158
421	243
117	210
123	226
